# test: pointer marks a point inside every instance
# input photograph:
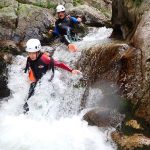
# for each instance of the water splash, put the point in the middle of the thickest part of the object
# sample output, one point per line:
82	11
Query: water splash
53	121
95	36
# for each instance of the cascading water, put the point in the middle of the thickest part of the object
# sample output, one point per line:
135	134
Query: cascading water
53	121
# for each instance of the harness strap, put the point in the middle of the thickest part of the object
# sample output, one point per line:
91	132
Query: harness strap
27	66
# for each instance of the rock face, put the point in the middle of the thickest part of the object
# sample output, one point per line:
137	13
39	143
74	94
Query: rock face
141	41
32	22
19	22
133	142
8	18
132	18
102	5
126	14
46	3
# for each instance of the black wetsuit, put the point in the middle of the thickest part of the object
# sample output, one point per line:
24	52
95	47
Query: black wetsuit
64	28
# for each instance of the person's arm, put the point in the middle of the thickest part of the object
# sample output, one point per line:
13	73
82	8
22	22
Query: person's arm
65	67
62	65
76	20
47	60
56	32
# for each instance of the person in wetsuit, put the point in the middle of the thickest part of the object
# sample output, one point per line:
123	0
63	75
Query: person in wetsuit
38	64
64	27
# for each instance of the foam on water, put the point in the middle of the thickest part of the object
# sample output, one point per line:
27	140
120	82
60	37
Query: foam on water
53	121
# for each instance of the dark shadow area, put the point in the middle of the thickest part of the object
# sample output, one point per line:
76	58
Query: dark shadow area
4	91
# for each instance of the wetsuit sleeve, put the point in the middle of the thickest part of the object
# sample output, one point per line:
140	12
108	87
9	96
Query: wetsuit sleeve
74	20
56	32
62	65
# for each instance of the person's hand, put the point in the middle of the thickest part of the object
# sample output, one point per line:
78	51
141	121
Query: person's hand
68	16
47	54
50	32
79	19
72	48
76	72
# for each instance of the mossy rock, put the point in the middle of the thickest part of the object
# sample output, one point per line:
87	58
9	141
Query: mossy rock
7	3
40	3
24	10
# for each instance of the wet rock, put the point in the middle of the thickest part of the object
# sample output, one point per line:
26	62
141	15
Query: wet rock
126	66
134	124
133	142
103	117
4	91
103	61
7	57
10	47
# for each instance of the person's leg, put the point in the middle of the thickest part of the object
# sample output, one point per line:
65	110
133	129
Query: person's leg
31	90
31	93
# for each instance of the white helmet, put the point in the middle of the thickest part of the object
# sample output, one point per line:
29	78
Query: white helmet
33	45
60	8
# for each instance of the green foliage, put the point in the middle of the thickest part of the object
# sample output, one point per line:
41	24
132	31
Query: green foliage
48	5
77	2
40	4
138	2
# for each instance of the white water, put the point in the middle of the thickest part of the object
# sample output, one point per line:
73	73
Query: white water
53	121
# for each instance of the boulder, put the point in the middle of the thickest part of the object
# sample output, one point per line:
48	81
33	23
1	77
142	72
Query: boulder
91	16
134	142
19	22
8	18
103	117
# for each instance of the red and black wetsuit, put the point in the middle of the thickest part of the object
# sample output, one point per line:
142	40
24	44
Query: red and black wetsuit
39	67
42	64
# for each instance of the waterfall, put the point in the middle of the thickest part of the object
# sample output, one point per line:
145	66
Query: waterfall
54	121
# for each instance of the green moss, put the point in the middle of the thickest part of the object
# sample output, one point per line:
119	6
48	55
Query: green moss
138	2
44	5
23	9
40	4
77	2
